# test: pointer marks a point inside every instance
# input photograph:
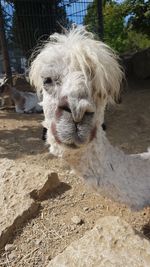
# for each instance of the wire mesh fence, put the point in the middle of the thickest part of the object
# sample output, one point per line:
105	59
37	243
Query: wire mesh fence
76	10
27	22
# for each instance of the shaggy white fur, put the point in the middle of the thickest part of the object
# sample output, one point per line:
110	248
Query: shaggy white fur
79	76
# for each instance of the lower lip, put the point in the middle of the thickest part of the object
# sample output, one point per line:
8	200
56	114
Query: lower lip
54	132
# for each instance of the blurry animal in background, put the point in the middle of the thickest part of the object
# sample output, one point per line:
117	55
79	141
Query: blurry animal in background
25	102
5	101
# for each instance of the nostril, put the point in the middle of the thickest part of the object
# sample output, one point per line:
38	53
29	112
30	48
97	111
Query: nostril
65	108
87	113
64	105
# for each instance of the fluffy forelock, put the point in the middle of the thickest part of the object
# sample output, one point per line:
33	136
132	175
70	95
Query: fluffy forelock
96	60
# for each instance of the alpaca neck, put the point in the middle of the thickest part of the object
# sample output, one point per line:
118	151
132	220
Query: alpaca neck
121	177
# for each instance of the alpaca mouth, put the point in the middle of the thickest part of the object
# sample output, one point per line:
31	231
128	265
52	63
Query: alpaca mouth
73	139
76	143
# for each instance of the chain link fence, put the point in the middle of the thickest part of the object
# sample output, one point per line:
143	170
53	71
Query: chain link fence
28	22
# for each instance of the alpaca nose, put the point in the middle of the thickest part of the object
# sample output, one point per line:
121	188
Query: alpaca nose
64	105
77	109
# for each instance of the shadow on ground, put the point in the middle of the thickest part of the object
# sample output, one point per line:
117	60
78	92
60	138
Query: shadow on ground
146	230
10	114
20	134
34	211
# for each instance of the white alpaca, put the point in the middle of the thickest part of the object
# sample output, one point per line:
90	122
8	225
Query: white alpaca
79	76
25	102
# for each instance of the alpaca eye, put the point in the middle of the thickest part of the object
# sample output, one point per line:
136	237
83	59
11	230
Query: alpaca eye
48	81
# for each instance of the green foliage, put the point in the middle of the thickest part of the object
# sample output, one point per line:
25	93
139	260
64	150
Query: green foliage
120	33
136	41
114	29
115	33
139	12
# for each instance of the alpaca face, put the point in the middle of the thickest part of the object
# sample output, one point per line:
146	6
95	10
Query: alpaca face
78	77
70	112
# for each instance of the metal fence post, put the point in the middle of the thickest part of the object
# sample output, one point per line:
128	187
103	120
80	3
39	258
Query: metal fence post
100	19
4	47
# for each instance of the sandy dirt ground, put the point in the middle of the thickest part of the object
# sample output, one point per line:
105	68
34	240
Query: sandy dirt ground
52	230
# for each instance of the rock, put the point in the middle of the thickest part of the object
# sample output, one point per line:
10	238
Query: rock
9	247
51	182
20	186
86	208
38	242
76	220
112	242
12	255
72	172
83	195
72	227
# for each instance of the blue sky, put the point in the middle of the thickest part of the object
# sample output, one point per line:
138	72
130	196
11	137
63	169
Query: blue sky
77	11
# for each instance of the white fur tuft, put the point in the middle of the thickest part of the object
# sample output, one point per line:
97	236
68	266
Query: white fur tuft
94	58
